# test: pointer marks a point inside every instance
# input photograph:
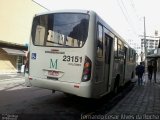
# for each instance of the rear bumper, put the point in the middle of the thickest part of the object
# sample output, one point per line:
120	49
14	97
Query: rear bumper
82	89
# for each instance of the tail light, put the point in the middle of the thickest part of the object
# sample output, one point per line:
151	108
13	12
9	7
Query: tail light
86	70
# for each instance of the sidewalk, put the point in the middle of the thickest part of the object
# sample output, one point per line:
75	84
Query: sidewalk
142	100
4	76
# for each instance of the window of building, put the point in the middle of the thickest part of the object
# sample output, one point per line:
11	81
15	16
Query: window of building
19	63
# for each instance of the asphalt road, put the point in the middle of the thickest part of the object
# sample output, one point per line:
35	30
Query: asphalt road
36	103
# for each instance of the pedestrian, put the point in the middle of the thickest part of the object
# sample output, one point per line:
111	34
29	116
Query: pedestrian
139	73
150	71
155	69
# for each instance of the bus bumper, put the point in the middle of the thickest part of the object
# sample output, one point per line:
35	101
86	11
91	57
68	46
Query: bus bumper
82	89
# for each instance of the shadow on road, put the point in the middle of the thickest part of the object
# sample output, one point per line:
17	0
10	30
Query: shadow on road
34	102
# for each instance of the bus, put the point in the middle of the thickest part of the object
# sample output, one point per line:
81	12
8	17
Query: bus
76	52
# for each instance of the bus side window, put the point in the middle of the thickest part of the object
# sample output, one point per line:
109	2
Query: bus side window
130	55
120	49
133	55
127	55
100	41
115	47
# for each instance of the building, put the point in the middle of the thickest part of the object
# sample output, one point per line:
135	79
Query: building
151	44
12	57
16	18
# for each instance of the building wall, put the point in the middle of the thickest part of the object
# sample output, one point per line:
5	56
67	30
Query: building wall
15	25
7	62
151	44
16	18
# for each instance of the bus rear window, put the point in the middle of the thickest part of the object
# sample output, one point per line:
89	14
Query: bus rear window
60	29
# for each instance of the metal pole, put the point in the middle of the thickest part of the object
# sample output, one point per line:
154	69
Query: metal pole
145	45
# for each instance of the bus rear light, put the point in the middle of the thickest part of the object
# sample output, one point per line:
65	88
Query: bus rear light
76	86
87	65
86	70
29	78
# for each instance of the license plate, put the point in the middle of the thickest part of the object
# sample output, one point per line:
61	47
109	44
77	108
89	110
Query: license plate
53	73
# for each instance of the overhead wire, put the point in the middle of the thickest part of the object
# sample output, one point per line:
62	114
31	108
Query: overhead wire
136	21
134	10
126	15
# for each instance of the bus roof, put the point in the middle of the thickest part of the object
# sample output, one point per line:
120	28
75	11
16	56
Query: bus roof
65	11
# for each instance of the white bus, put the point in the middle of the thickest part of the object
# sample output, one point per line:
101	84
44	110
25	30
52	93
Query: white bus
76	52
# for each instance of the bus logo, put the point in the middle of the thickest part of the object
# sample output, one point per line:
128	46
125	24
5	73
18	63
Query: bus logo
33	57
53	64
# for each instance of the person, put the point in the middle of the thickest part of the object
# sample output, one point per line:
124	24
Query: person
139	72
150	71
155	69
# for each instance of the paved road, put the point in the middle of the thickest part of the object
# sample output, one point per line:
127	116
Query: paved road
143	102
17	99
13	92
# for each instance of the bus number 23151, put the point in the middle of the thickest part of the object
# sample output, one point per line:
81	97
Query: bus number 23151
72	58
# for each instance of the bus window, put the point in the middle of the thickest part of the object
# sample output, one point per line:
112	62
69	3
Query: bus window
40	33
60	29
100	41
127	55
115	46
130	55
120	49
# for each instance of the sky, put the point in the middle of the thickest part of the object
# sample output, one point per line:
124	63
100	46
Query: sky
126	17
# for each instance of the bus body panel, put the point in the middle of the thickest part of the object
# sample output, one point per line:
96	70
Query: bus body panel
62	68
82	89
57	66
